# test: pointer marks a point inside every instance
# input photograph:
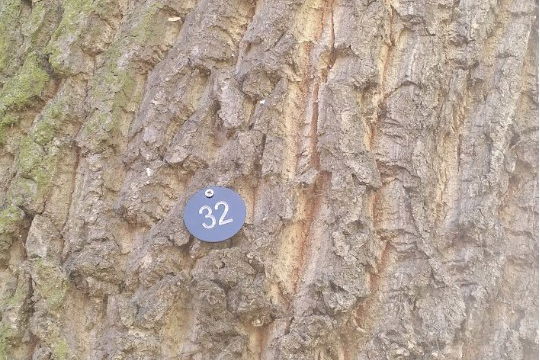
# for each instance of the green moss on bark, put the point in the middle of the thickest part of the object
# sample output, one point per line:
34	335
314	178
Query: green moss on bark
9	18
150	27
50	282
37	163
13	307
5	334
60	350
33	162
25	86
20	92
67	31
43	21
117	86
11	219
7	121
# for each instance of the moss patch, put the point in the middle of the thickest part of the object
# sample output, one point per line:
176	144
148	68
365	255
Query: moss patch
60	350
27	84
7	121
35	163
43	21
74	11
12	307
150	26
20	92
5	334
9	18
70	30
50	282
11	219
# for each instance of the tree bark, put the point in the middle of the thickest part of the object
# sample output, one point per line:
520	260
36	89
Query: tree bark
387	152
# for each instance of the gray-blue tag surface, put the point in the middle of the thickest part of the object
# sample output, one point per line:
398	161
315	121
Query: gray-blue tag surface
214	214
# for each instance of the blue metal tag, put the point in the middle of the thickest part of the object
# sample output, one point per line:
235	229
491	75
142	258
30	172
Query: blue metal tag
214	214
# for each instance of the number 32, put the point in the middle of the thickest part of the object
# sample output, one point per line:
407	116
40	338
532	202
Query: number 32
222	220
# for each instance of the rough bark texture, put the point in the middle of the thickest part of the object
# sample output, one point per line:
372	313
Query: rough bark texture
386	151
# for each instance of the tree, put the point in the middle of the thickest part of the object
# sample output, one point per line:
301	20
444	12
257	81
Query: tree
386	151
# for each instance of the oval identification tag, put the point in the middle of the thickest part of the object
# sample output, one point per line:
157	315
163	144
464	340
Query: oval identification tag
214	214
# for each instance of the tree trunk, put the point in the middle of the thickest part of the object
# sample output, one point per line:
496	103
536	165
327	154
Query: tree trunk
386	151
